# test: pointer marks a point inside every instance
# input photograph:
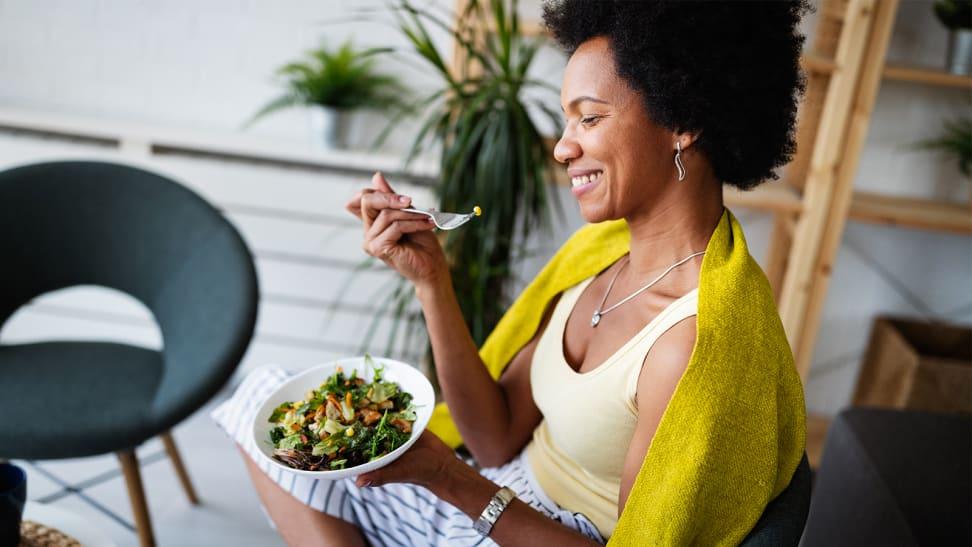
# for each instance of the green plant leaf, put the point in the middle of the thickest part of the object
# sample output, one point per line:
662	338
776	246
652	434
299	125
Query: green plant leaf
492	155
343	79
955	141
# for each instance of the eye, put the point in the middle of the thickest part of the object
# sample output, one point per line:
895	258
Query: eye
590	120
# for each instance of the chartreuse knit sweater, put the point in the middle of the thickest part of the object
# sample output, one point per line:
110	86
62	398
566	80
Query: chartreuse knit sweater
735	428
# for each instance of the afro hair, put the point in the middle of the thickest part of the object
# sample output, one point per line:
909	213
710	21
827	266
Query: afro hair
727	69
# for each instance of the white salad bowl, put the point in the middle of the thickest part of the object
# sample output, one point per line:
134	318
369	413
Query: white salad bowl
408	378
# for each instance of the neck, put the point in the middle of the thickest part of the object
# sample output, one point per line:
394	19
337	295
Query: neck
678	226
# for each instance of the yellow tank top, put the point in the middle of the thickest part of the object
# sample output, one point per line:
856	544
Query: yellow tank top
578	450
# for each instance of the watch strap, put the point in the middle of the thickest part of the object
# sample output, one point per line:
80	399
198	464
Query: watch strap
497	504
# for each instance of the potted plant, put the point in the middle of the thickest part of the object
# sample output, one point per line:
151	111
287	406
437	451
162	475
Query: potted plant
492	155
331	85
956	15
956	141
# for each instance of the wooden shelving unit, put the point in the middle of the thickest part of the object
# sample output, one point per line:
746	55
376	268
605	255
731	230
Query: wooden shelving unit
845	73
852	55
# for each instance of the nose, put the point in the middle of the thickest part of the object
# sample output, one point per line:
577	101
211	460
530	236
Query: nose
566	148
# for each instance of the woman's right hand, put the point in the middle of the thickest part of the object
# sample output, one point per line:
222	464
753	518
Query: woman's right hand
404	241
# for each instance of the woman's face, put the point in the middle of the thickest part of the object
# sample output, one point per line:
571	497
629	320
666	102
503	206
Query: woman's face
608	130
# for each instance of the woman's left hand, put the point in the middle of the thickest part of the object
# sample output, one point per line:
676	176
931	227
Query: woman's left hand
428	460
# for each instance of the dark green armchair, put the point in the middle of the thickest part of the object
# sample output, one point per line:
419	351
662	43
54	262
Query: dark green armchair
785	517
91	223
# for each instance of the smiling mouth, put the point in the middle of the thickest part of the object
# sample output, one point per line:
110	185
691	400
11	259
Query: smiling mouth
586	179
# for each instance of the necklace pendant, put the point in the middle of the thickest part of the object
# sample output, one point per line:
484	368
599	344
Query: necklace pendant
595	319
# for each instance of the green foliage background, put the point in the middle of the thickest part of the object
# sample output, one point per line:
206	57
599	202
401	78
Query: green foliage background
492	155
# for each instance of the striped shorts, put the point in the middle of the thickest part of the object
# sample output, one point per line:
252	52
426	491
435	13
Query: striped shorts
392	514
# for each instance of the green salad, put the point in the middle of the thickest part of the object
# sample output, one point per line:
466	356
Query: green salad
347	421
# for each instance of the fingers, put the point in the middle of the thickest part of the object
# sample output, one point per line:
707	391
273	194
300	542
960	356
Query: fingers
387	216
378	182
385	243
393	472
372	478
353	205
360	205
372	203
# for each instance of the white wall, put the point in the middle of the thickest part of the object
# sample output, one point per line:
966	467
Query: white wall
204	65
207	66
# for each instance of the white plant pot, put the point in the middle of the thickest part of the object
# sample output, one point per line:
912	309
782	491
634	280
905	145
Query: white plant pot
959	59
328	127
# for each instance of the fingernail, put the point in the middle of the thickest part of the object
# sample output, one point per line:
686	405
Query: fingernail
403	199
364	483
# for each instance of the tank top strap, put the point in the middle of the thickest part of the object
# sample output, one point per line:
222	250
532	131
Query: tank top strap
684	307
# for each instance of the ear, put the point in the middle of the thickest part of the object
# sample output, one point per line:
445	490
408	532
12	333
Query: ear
687	138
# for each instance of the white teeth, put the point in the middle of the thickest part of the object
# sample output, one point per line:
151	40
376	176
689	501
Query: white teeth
577	181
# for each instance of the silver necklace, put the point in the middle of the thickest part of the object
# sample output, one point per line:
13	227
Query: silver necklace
596	318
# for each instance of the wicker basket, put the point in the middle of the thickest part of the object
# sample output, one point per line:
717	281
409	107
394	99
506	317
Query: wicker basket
34	534
917	365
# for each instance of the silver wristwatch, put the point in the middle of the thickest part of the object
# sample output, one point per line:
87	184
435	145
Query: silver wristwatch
493	510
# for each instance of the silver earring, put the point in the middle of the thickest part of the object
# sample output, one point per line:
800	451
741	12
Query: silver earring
678	161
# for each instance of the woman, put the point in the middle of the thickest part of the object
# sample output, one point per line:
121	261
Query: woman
664	103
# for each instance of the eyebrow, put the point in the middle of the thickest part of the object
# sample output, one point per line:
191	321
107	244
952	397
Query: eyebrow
583	98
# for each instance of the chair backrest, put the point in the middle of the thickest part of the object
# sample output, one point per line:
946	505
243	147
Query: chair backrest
783	520
79	222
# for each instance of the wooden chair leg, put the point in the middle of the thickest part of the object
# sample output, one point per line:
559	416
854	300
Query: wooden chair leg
133	480
176	459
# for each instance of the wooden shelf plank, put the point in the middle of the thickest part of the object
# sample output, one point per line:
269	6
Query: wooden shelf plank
920	75
774	196
865	207
927	75
812	62
911	212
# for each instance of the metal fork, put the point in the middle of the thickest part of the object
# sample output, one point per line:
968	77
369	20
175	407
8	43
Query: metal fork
446	221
